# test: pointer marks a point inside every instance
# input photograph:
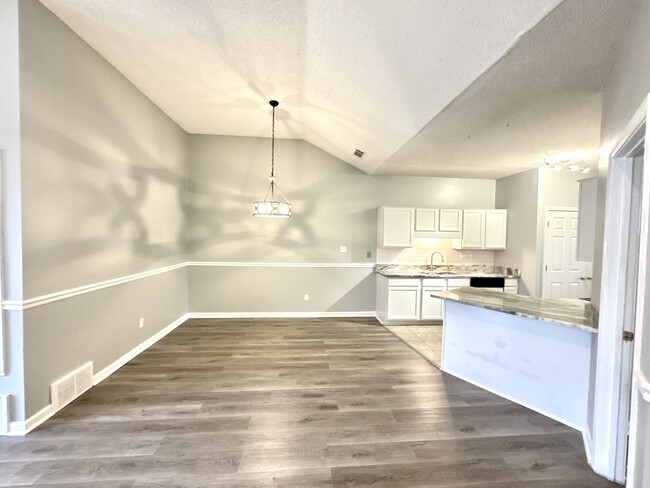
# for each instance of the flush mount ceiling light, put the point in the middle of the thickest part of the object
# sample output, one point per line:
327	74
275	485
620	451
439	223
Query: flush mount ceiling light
570	165
272	208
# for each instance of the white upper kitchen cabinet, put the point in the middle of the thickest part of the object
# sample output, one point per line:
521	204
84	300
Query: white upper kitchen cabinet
450	220
473	229
496	223
426	220
395	227
483	229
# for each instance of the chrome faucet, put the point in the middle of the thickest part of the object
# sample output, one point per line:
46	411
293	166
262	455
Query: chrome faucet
442	258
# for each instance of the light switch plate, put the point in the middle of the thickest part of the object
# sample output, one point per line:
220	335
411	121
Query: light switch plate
343	249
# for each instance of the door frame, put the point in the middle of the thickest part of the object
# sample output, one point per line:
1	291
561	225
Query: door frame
544	247
607	440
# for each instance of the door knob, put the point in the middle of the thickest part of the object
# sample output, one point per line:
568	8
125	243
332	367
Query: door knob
589	277
582	278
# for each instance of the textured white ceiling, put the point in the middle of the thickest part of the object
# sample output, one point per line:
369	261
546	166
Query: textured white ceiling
367	74
541	100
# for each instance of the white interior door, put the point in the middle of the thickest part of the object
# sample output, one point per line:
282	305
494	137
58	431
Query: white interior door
562	271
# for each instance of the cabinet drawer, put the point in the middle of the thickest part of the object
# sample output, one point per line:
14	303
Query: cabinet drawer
394	282
457	282
435	282
511	282
510	289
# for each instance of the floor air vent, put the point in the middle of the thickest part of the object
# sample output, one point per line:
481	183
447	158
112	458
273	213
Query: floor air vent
71	386
359	153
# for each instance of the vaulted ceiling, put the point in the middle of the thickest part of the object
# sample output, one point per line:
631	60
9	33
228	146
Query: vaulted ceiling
424	87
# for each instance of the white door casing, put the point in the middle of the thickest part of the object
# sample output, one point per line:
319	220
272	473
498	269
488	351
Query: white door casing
638	468
608	439
562	271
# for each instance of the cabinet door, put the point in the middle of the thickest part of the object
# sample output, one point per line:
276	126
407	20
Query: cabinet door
473	229
495	229
426	219
396	227
404	303
431	306
450	220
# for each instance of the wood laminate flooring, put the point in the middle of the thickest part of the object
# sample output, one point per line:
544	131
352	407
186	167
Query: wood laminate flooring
292	404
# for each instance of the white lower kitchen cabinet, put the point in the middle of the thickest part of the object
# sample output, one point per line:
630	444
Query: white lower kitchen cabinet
409	300
431	306
398	299
404	303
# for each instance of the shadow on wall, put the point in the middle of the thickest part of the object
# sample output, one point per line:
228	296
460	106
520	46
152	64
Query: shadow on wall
332	205
362	292
103	182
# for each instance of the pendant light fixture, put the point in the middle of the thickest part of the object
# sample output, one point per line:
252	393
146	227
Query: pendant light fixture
272	208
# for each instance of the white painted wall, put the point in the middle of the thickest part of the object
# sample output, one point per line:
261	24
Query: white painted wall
541	365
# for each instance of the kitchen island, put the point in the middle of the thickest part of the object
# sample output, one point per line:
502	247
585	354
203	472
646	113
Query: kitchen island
536	352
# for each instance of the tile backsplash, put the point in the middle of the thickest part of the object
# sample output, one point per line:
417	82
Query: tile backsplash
421	251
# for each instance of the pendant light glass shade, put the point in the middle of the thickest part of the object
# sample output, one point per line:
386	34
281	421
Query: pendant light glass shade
272	208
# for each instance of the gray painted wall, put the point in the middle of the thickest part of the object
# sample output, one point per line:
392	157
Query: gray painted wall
627	85
527	196
518	194
100	327
263	289
101	177
556	189
334	204
104	173
104	170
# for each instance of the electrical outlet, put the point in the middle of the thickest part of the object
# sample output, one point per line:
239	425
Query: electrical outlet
306	297
369	254
343	249
141	322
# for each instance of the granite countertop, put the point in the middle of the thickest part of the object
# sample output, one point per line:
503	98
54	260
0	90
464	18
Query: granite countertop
573	313
445	271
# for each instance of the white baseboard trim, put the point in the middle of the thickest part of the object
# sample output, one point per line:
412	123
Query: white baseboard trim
519	402
118	363
25	427
19	428
282	315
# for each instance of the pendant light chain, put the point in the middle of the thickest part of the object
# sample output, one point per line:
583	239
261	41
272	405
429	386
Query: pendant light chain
273	145
272	208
